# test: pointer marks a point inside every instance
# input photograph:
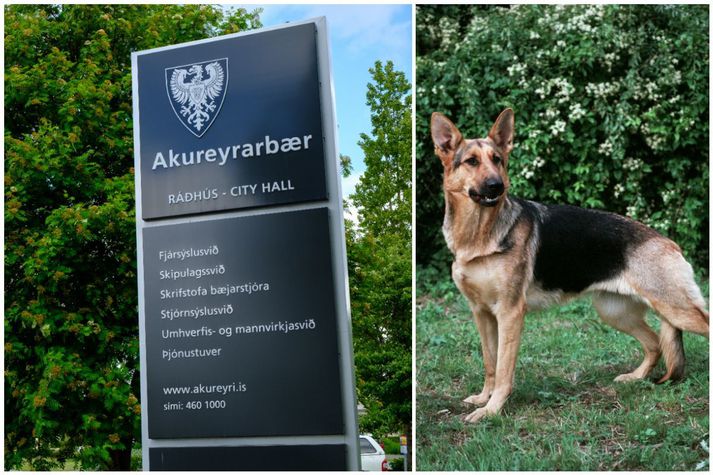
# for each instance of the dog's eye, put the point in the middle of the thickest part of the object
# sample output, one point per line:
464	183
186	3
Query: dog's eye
471	161
497	160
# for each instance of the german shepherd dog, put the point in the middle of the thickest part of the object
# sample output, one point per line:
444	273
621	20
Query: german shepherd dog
512	255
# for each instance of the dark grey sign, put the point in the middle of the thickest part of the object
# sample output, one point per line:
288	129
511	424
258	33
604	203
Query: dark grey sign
270	457
244	323
231	124
241	335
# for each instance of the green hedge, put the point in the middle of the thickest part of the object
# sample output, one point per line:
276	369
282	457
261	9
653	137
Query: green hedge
611	108
392	445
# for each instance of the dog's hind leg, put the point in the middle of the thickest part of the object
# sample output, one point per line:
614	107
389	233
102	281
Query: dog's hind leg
627	315
488	329
671	341
660	275
675	317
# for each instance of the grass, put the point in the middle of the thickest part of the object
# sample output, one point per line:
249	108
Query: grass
565	413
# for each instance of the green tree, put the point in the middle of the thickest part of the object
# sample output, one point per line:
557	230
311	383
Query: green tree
379	251
71	329
611	108
383	194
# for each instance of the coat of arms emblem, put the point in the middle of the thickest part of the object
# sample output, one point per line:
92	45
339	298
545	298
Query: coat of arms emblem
196	92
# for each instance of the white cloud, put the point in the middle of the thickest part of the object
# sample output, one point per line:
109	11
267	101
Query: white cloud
349	184
366	27
348	187
362	28
351	213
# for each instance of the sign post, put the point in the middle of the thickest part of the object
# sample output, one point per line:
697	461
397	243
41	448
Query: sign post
245	334
404	450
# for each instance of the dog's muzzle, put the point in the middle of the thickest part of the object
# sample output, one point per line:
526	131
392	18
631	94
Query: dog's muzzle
489	194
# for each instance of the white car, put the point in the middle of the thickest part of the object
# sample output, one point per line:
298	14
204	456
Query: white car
373	457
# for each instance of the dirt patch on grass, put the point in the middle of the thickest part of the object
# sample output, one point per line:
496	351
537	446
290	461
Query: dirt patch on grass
436	406
600	394
457	438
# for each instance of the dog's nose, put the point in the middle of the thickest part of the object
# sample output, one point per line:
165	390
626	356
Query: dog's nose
495	186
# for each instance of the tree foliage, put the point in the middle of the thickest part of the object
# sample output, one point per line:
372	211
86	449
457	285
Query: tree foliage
611	108
383	193
71	326
379	255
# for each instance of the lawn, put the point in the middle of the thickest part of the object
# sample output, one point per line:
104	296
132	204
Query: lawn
565	413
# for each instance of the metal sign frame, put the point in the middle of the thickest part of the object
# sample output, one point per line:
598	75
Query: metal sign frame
338	252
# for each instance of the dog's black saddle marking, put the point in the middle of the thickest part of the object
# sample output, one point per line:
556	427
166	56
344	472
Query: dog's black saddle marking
579	247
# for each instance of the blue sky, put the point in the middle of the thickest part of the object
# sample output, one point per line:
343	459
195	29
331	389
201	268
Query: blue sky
359	35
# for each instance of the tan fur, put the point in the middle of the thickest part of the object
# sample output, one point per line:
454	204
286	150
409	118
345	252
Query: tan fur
499	285
671	343
670	289
627	315
668	286
480	272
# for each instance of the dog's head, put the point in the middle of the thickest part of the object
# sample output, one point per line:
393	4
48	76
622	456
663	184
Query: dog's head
475	168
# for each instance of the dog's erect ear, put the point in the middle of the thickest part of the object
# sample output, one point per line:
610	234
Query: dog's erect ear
503	130
446	137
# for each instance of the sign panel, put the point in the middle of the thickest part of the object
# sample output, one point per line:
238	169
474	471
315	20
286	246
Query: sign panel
231	124
241	335
262	458
243	310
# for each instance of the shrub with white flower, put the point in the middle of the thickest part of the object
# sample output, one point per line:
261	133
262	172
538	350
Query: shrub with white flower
611	107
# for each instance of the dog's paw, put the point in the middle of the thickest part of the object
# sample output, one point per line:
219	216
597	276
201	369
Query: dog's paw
624	378
477	399
477	415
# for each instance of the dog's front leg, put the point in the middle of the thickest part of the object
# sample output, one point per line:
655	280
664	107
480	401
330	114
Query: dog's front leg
488	329
510	324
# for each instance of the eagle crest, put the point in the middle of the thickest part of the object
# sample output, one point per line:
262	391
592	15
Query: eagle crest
196	92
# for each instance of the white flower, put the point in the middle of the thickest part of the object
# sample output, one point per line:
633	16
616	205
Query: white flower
602	89
618	190
576	111
558	127
606	148
517	68
667	195
632	164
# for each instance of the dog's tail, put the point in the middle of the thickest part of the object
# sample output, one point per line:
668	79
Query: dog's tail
671	338
671	290
671	343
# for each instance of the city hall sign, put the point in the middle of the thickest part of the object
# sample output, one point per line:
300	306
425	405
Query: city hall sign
244	328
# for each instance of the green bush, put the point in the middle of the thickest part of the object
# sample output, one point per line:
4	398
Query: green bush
392	445
396	465
610	101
